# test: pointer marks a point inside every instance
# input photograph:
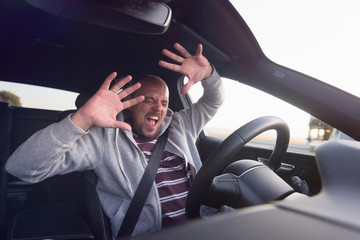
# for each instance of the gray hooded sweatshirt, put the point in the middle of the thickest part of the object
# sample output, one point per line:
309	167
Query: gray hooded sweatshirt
114	156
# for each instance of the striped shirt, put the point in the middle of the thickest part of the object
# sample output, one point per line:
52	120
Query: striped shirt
173	180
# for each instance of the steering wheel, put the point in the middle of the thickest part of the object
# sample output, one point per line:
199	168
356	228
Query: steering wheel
224	155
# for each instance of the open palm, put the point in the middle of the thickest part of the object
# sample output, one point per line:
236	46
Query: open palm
195	67
103	107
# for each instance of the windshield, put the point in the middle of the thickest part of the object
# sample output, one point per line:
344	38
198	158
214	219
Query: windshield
318	38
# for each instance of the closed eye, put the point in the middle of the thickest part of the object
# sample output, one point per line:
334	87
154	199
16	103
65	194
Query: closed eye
149	99
164	103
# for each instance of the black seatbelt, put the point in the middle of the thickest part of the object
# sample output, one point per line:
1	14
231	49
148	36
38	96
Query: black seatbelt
142	191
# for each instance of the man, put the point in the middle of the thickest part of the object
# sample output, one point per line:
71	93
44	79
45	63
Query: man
113	142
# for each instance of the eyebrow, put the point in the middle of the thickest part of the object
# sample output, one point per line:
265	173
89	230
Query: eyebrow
153	98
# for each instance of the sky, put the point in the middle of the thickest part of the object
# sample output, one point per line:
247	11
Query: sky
316	37
319	38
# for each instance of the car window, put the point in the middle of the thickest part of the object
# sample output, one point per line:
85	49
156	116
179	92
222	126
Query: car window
243	104
30	96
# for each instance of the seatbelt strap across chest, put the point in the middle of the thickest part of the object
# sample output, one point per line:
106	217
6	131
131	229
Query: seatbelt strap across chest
143	189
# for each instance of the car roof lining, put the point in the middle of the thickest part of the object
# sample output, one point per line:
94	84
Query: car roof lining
49	47
67	55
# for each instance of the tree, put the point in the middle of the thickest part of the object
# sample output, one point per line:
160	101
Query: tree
11	98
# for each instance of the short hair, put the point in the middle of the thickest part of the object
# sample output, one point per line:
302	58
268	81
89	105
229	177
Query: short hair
137	79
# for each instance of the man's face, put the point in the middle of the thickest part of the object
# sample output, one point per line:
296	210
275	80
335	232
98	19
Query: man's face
148	115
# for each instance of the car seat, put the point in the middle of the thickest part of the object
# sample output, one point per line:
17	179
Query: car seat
74	196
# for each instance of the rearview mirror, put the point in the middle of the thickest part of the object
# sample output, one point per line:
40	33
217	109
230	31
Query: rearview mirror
150	18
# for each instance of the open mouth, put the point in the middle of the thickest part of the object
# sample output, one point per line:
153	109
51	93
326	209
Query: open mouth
152	121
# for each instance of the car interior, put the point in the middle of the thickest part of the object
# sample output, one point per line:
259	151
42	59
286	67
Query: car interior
74	45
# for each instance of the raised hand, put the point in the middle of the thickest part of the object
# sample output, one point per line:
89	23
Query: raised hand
195	67
103	107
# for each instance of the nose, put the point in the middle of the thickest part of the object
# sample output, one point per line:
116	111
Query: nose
157	106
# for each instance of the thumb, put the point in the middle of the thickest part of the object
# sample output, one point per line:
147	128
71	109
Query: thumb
122	125
186	87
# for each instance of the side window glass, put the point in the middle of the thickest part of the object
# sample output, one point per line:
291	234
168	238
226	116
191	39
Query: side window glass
29	96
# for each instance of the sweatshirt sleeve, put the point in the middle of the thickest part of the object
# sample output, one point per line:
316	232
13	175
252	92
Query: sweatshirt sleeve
198	114
57	149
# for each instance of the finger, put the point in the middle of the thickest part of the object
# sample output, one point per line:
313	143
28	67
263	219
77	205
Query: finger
186	88
182	50
199	50
108	80
170	66
127	91
117	86
172	56
133	101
